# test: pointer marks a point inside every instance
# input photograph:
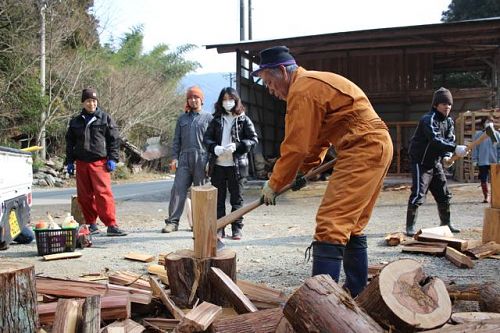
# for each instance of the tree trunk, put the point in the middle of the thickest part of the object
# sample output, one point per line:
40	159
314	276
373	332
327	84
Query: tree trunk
402	298
321	305
189	277
18	302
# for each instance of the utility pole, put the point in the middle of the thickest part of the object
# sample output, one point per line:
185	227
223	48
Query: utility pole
43	141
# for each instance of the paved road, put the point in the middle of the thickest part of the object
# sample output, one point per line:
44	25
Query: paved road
43	197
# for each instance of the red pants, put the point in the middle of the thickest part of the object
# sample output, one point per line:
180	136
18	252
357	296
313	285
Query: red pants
93	187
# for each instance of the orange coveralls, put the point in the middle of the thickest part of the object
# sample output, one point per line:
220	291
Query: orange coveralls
326	109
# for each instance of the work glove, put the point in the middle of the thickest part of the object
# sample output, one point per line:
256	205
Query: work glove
446	162
111	165
268	194
474	164
461	150
300	182
70	168
219	150
231	147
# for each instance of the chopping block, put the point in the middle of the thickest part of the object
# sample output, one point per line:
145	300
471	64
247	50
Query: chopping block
189	270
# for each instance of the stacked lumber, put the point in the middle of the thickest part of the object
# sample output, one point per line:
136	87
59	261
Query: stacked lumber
440	241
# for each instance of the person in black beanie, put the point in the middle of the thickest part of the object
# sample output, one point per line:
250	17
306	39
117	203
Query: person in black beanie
432	143
92	143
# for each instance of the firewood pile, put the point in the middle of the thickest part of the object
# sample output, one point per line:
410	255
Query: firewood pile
399	298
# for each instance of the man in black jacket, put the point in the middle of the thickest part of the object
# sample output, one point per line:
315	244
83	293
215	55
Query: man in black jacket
433	141
93	142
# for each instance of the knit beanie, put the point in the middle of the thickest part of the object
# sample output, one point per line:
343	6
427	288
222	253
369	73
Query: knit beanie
442	95
193	91
89	93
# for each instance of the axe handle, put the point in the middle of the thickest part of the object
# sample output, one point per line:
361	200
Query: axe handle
233	216
470	146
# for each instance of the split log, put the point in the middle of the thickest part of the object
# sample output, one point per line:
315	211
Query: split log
394	238
143	257
403	298
126	326
161	323
66	316
233	293
443	231
18	299
64	255
470	317
129	279
169	304
188	276
73	288
456	243
465	292
284	326
199	318
458	259
434	248
112	308
160	272
489	297
91	314
321	305
484	250
484	326
204	201
261	295
264	321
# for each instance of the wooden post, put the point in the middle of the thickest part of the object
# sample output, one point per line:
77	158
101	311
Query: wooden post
204	201
491	225
17	297
495	185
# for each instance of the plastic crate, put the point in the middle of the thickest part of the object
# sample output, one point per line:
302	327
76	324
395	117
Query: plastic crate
50	241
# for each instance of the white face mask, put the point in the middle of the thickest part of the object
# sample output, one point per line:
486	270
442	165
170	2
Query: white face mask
228	104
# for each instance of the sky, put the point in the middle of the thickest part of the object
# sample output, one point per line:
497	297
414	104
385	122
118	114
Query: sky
208	22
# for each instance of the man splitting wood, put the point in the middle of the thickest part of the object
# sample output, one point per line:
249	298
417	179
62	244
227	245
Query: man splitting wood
325	109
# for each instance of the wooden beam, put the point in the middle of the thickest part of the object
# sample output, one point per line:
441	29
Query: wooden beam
491	224
233	293
64	255
456	243
204	201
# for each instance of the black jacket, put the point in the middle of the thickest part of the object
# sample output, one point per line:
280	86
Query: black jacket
242	134
97	140
434	138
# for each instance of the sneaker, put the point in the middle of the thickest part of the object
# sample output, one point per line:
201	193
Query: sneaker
93	228
169	227
115	231
237	234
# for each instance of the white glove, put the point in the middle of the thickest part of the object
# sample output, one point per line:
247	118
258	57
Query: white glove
231	147
219	150
461	150
474	164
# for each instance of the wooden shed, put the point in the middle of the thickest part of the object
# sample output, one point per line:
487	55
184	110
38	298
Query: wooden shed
398	68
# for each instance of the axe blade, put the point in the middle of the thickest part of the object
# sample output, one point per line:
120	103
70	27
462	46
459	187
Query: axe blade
490	131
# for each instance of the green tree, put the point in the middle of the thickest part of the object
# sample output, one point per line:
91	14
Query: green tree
460	10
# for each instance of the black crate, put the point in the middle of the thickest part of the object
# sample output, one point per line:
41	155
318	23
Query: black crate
52	241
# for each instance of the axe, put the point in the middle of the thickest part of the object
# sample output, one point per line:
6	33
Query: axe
230	218
489	132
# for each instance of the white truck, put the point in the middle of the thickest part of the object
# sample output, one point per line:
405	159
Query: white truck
16	181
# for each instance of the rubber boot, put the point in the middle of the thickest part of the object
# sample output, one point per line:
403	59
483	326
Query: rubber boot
327	259
411	219
356	265
484	187
444	216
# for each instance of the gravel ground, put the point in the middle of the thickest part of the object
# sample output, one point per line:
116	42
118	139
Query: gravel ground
275	238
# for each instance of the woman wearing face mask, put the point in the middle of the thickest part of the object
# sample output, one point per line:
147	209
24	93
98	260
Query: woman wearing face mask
483	155
229	138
